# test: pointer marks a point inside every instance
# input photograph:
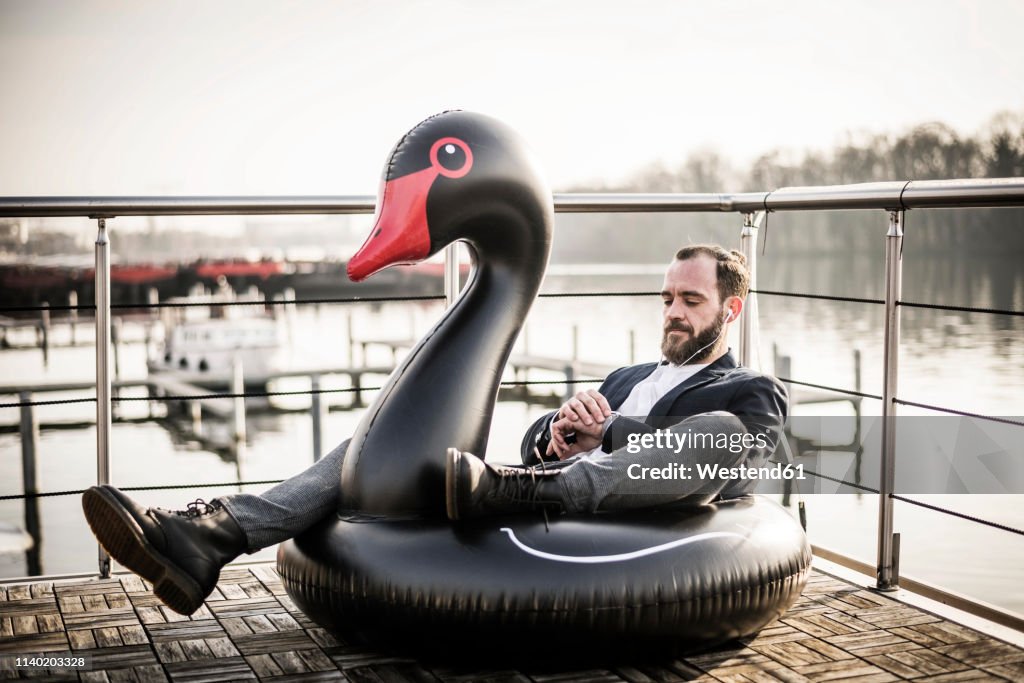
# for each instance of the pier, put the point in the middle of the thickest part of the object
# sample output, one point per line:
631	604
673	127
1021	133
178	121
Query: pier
249	629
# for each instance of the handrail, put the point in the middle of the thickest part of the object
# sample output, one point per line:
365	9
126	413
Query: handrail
892	195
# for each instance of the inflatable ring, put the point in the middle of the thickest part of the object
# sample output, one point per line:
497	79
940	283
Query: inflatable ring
667	580
391	562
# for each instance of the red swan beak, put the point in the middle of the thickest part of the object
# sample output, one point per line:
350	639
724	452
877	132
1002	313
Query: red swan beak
400	235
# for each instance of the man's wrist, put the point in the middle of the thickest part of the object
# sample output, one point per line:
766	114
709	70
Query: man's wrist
608	422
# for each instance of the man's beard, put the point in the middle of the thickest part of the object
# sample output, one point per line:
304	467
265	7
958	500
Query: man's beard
678	351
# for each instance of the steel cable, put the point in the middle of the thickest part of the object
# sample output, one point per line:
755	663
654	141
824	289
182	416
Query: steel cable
952	411
786	380
266	394
961	515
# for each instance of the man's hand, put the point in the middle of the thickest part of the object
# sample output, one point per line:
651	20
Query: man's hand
583	415
583	438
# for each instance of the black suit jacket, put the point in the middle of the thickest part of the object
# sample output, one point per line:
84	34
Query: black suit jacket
758	400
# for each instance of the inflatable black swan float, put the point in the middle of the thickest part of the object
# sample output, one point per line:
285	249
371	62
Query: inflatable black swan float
391	564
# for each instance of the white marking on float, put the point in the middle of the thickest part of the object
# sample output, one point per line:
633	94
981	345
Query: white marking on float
596	559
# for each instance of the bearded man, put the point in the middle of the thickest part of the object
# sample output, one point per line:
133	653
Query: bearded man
593	442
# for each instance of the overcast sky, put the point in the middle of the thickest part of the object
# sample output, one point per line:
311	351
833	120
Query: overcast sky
255	97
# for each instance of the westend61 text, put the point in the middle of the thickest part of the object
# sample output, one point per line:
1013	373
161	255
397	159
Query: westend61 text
665	439
705	471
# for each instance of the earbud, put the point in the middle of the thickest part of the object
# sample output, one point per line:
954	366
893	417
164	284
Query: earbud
729	317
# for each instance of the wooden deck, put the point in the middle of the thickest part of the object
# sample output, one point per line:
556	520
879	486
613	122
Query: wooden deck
249	629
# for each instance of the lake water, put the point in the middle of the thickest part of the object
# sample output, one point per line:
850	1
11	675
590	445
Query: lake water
967	361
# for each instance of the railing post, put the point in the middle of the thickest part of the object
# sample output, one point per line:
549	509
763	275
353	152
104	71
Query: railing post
29	449
748	245
44	328
238	405
102	288
451	273
319	413
73	314
887	574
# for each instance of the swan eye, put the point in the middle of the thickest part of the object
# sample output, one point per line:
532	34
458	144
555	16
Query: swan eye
451	157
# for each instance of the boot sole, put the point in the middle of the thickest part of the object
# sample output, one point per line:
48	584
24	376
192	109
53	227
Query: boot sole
122	537
451	483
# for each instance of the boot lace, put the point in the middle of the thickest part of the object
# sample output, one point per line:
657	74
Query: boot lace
198	508
517	488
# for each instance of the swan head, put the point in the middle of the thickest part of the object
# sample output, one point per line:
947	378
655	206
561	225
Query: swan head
450	178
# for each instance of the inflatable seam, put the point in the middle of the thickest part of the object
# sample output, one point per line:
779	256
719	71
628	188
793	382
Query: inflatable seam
779	582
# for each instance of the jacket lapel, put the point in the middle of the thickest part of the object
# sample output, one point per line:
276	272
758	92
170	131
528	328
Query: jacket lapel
713	372
620	391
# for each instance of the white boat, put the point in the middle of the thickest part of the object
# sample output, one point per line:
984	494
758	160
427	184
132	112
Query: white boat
207	332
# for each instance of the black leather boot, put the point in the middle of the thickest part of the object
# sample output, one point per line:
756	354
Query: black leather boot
180	552
474	488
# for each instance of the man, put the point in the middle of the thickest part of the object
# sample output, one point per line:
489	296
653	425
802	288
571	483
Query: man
697	389
595	444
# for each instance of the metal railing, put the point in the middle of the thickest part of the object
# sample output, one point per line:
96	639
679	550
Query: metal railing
891	197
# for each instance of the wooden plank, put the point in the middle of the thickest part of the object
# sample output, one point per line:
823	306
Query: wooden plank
29	607
264	666
316	660
153	672
49	623
169	651
34	642
108	637
82	640
230	669
889	617
846	670
290	663
150	615
107	619
958	677
195	648
983	652
926	662
272	642
254	589
185	630
25	625
283	622
800	652
269	577
260	624
855	642
948	633
232	591
133	635
71	604
1012	670
222	647
124	657
245	607
131	583
22	591
90	587
235	626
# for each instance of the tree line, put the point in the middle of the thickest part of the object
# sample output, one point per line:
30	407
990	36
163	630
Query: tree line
926	152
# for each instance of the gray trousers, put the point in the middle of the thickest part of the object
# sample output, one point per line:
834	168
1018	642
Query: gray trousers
598	483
